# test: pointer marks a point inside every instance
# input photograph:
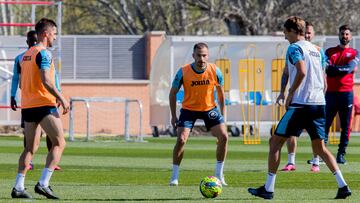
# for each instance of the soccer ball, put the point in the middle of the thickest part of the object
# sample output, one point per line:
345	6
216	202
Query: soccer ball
210	187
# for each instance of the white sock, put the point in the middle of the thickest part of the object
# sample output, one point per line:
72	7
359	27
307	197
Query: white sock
19	183
270	182
175	172
219	170
45	177
339	179
316	160
291	158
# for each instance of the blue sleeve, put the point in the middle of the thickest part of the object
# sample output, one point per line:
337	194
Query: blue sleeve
326	57
323	58
333	70
57	82
295	54
16	76
219	76
43	59
178	80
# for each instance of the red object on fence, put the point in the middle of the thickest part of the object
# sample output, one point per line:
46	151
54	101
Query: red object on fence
17	24
28	2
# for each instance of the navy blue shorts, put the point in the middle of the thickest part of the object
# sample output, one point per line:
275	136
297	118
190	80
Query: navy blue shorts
211	118
37	114
22	125
299	117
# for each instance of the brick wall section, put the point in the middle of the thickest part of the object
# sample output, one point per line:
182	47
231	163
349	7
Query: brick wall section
108	117
153	42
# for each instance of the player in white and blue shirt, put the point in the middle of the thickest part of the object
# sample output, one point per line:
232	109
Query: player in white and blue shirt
292	140
305	108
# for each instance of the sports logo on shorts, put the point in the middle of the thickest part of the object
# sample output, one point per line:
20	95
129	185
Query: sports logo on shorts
213	114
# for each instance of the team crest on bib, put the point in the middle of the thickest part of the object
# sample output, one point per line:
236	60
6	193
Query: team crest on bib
213	114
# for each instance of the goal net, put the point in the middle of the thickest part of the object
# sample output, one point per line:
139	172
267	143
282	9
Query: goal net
105	118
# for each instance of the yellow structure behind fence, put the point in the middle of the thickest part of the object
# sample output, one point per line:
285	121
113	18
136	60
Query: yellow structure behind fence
333	139
251	84
225	66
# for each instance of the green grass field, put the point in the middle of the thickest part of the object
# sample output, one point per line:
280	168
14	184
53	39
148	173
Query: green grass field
116	171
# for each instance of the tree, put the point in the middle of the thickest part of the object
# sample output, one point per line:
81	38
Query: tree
210	17
189	17
132	17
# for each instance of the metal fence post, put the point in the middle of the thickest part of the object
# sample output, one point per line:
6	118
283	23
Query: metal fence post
87	120
127	135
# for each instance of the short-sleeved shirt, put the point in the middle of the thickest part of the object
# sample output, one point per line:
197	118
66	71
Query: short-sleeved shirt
311	89
198	86
322	55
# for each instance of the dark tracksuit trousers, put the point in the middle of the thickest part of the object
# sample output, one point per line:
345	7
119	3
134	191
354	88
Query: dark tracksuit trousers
342	103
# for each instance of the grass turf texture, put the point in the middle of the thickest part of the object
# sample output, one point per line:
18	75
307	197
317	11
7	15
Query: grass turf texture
116	171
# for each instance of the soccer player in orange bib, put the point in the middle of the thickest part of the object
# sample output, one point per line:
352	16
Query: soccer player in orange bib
199	80
39	97
31	41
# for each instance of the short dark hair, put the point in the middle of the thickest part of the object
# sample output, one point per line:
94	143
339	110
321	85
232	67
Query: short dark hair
43	24
295	23
31	33
308	23
200	45
345	27
31	38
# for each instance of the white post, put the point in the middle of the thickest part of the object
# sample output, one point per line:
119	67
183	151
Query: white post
33	9
87	120
127	135
140	137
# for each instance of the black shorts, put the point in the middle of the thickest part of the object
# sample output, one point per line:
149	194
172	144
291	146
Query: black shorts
37	114
22	125
211	118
